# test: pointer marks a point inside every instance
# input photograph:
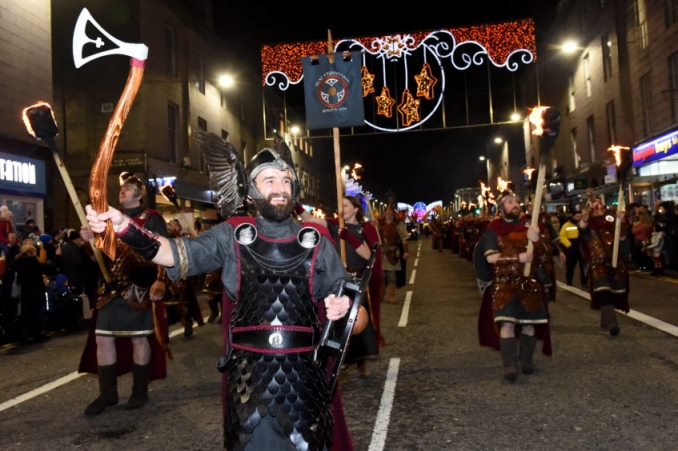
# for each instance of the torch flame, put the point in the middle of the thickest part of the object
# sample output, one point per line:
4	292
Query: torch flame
354	172
528	172
537	120
27	122
616	150
502	185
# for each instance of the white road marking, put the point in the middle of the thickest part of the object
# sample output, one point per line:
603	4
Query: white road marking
383	416
416	262
406	310
59	382
643	318
413	276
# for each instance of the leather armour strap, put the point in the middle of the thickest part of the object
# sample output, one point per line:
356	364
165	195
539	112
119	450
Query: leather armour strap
274	340
144	242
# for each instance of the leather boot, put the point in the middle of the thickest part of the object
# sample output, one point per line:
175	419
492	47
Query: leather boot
527	344
509	355
214	310
391	294
108	390
140	377
608	319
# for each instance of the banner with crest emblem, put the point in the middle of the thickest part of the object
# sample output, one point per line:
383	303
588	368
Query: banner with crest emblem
333	91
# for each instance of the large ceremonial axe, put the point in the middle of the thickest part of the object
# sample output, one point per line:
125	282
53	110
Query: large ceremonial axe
86	49
40	123
546	121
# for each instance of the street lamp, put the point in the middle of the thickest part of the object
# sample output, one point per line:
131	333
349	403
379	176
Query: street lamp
226	81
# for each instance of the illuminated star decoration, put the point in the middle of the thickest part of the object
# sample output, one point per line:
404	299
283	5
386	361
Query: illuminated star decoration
425	82
385	103
368	81
409	108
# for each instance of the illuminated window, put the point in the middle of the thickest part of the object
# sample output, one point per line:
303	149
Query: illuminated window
673	85
606	46
573	144
641	23
587	74
170	51
646	103
571	103
591	137
671	12
202	125
611	123
172	123
198	71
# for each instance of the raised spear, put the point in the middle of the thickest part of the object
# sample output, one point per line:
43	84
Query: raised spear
40	123
546	121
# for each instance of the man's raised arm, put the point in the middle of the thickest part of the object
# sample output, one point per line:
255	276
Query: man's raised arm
149	245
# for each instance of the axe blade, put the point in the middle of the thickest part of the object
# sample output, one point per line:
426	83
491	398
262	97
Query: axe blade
80	39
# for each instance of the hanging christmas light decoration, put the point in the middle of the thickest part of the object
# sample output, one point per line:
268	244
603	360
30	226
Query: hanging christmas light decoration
425	82
367	81
385	103
507	45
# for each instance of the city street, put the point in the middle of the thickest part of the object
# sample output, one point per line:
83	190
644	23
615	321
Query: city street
433	387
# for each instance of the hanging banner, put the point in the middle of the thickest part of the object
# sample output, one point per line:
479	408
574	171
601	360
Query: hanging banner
333	91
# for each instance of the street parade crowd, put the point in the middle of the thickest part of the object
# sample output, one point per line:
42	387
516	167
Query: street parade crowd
272	278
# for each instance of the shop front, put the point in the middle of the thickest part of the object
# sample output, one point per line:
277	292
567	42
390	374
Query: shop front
656	165
23	188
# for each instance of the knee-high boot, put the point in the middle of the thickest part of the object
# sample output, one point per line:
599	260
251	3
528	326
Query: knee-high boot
509	356
608	319
527	345
140	377
108	390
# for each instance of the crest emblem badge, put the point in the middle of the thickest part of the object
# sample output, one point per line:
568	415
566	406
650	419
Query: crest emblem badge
308	237
245	234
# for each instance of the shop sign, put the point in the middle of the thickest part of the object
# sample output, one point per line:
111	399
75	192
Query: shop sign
656	149
22	174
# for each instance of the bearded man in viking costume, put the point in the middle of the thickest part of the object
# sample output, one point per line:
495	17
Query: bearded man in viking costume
514	312
124	327
279	278
608	285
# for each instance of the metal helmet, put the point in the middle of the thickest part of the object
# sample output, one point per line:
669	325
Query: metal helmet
129	178
503	196
268	158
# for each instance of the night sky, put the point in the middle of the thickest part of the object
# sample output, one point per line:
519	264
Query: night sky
418	165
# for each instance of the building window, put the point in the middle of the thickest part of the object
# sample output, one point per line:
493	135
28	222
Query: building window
202	125
573	143
611	124
223	100
172	131
646	103
170	51
606	45
199	72
591	137
641	23
224	135
671	12
587	74
571	103
673	86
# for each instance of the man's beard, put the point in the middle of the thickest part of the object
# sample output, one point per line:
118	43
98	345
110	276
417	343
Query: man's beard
275	213
512	215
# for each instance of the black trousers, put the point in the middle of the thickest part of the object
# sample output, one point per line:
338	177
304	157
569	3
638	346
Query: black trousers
574	256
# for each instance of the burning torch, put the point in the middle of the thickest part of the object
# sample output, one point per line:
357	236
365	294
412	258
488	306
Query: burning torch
624	162
546	121
40	123
169	193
